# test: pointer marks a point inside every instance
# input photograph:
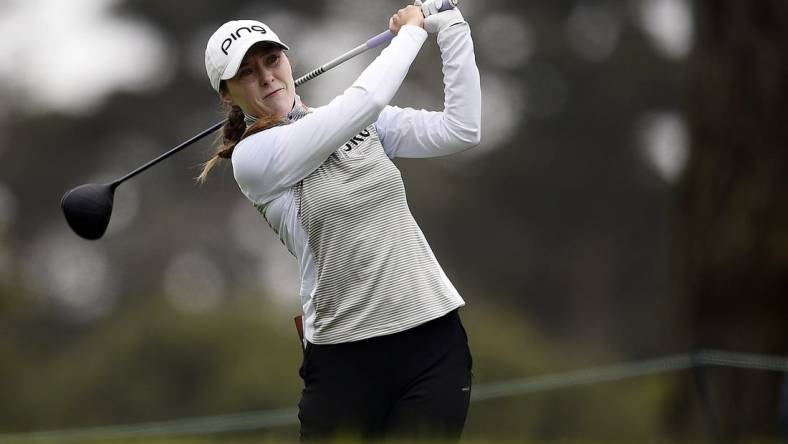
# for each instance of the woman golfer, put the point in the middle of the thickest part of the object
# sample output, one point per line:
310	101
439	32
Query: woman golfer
385	352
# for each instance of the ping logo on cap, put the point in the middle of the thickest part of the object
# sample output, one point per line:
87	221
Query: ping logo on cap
235	35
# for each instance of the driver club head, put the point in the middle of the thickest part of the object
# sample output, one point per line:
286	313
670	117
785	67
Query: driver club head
88	208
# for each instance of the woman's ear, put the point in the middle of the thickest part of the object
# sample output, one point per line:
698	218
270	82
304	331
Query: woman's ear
225	96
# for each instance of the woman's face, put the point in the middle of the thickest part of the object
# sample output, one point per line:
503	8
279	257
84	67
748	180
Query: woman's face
263	84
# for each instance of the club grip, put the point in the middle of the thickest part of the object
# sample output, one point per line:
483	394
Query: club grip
383	37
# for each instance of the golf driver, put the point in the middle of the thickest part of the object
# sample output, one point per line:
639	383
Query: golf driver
88	207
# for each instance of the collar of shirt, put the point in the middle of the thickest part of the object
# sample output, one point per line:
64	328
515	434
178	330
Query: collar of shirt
298	111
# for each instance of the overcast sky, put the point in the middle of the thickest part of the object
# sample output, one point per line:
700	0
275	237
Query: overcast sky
67	55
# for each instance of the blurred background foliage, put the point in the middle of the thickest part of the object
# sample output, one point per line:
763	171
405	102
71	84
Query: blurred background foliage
585	229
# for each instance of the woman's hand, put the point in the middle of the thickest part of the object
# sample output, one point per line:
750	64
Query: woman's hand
409	15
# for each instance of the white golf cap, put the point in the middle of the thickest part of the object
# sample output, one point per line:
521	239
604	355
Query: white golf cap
228	45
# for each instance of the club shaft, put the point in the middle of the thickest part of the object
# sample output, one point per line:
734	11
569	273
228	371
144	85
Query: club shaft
169	153
374	42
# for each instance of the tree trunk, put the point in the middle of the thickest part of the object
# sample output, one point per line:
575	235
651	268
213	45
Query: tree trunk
733	212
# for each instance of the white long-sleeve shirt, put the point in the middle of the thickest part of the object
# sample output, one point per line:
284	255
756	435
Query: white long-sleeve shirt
326	185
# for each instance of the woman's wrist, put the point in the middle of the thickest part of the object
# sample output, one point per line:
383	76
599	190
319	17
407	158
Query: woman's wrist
413	28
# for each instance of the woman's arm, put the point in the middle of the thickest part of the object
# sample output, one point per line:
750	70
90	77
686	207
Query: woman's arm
406	132
269	162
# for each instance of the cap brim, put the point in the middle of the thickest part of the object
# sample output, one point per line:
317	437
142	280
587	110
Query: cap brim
238	56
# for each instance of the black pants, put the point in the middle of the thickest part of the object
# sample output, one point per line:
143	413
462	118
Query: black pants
413	384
